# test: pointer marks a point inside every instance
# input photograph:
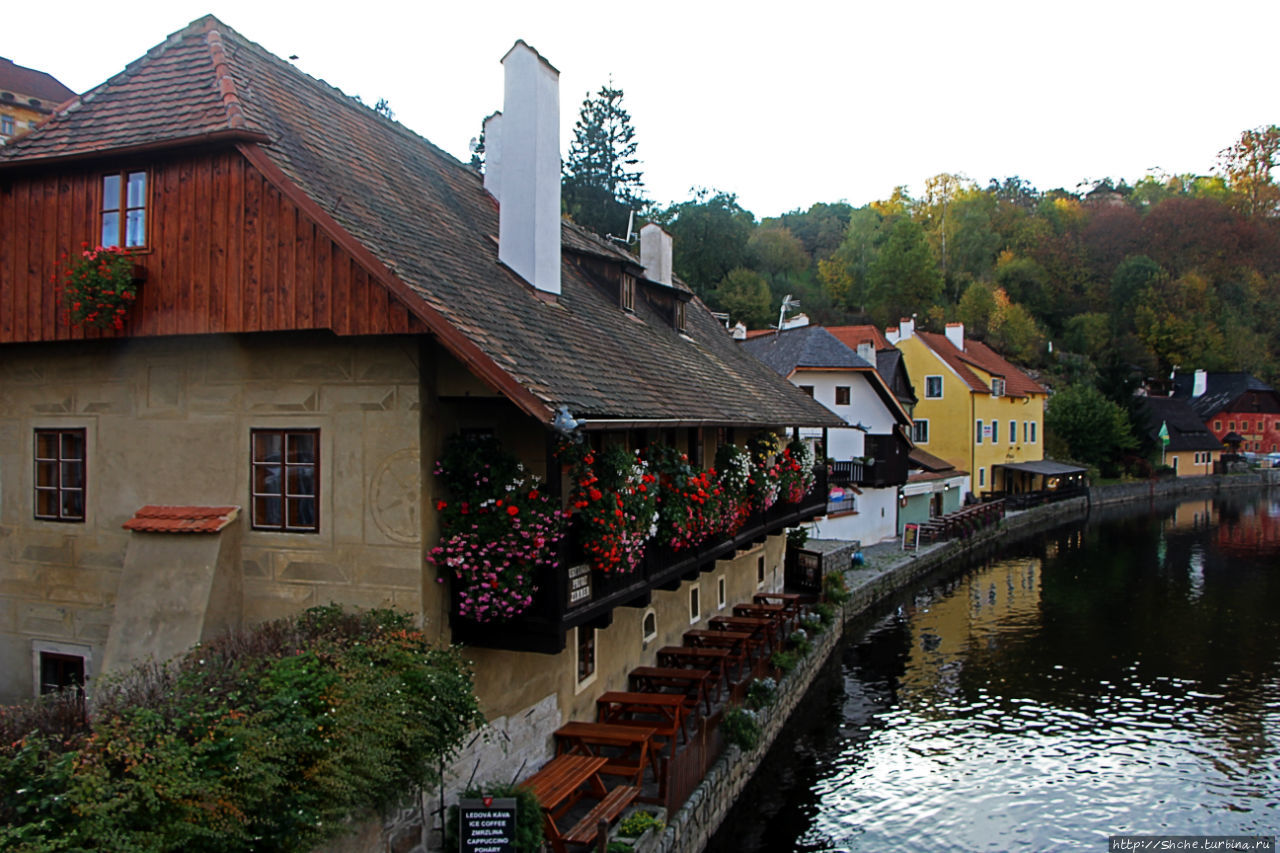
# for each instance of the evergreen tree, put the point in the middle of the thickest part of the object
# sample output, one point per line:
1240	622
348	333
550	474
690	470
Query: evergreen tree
601	185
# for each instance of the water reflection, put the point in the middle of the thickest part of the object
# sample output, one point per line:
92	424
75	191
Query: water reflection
1120	677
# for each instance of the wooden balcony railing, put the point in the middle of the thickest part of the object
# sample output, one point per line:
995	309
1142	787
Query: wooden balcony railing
570	594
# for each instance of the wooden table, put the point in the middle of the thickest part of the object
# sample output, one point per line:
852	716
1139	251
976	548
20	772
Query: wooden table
664	712
738	644
789	600
762	631
633	743
559	785
692	683
776	613
698	658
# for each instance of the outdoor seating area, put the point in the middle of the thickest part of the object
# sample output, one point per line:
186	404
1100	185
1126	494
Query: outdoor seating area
654	742
962	522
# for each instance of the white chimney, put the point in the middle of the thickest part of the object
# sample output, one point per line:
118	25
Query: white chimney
1199	384
955	334
892	335
529	183
738	332
493	155
867	352
906	328
655	253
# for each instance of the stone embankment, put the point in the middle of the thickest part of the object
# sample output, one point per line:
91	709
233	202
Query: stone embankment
886	570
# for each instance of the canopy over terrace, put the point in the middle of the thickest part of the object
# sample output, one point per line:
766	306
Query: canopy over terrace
1044	475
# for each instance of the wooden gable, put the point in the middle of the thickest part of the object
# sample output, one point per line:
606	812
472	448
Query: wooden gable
227	252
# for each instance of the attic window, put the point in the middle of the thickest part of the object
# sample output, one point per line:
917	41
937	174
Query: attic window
124	209
6	126
680	316
997	387
628	292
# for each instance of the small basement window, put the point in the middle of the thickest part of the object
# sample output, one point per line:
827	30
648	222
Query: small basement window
60	666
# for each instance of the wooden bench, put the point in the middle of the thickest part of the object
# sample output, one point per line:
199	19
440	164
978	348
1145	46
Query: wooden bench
693	683
560	783
614	804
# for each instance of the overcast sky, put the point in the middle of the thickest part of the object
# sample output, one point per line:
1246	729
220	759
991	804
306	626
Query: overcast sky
783	103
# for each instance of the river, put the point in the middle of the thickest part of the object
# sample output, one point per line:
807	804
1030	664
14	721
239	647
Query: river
1118	676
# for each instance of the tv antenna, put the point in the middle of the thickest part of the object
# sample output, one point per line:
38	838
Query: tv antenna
787	302
631	219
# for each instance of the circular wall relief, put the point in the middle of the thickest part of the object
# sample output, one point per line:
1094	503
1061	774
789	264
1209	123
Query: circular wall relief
395	497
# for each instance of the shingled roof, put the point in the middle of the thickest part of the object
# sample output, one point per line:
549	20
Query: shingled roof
978	355
26	83
427	219
1220	393
1186	429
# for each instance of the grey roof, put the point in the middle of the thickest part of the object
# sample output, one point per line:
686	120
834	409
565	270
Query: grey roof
1221	390
1186	429
1043	466
808	346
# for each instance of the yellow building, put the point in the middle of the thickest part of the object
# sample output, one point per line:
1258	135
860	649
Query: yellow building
27	97
975	409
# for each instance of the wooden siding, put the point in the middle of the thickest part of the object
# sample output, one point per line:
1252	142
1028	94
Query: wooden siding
228	252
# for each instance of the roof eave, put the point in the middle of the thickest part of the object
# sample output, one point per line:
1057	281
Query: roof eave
231	136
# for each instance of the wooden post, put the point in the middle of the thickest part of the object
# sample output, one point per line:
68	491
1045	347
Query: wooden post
602	836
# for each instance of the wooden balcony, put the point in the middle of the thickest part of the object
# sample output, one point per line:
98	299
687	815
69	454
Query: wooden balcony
571	595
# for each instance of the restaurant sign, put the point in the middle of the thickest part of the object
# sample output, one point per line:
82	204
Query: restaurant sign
579	584
487	825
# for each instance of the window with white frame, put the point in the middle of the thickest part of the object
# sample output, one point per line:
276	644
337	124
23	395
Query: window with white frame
586	655
760	571
977	432
649	626
933	387
695	605
920	431
997	387
1013	432
1033	432
721	598
995	432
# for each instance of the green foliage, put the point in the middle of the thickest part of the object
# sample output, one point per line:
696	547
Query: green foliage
99	289
741	728
799	641
797	537
601	185
777	252
709	234
812	623
273	739
744	295
761	692
637	823
784	661
834	588
528	826
904	278
1094	430
826	611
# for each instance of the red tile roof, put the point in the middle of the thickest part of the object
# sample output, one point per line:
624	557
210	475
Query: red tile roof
852	336
979	355
429	227
28	83
182	519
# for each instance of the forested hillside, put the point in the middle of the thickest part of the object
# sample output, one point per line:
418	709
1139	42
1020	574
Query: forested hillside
1111	281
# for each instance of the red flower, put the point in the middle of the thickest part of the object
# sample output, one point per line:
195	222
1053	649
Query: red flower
512	510
440	505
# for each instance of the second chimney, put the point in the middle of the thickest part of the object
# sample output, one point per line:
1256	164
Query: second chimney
655	253
955	334
528	183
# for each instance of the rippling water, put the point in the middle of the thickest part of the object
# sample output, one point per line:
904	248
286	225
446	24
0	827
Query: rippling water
1117	678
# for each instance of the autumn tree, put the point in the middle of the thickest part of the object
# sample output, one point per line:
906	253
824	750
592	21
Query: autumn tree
601	185
1247	166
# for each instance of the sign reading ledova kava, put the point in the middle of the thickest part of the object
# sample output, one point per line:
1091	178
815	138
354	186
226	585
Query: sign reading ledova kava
487	825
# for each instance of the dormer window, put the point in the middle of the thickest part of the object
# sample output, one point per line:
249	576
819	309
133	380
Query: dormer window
124	209
997	387
628	299
680	316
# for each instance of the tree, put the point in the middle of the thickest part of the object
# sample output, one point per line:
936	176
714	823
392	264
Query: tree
845	274
600	185
777	252
709	236
1092	429
820	228
744	294
976	308
1247	167
1177	321
904	278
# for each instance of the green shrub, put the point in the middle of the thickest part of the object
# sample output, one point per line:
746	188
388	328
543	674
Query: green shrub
799	641
784	661
741	728
826	612
636	823
272	739
797	537
528	836
761	693
834	589
812	623
619	847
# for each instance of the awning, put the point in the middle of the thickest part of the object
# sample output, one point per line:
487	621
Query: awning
1044	467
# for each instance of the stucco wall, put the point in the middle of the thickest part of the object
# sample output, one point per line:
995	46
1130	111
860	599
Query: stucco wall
167	421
